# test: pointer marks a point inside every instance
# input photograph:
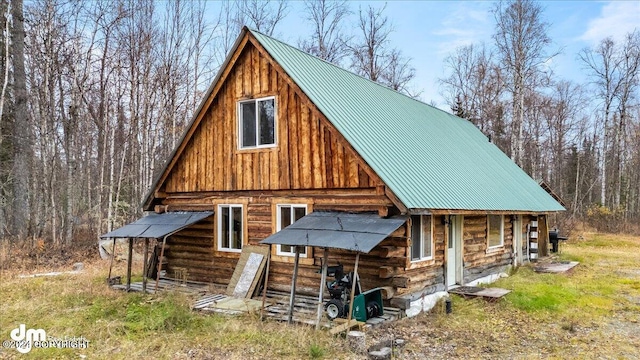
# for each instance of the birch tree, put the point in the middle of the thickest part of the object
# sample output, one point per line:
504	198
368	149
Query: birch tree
21	125
521	41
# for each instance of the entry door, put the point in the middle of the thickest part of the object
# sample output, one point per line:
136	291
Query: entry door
517	240
454	251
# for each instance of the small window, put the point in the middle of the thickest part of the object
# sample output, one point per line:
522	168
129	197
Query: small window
230	225
421	237
287	215
257	123
495	231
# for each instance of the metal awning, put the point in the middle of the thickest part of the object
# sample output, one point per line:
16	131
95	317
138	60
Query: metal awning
157	226
339	230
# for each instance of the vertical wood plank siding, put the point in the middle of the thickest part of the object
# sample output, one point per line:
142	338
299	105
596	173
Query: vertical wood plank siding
309	152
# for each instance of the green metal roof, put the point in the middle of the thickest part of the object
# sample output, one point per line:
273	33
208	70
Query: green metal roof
429	159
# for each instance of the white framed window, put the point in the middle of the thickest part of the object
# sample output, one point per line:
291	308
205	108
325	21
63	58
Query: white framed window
421	237
287	215
495	231
257	123
230	228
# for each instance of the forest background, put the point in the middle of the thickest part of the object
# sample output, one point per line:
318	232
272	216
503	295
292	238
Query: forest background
96	94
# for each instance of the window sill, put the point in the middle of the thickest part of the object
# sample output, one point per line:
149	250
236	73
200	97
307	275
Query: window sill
258	149
416	264
495	249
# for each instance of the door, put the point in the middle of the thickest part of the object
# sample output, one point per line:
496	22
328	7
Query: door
517	240
454	251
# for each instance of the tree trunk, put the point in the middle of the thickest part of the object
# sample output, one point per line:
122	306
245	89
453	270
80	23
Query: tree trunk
21	127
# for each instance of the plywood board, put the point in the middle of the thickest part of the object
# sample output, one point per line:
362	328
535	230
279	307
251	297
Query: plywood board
248	271
492	293
556	267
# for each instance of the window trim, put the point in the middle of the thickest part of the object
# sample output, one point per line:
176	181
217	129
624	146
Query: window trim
279	251
219	225
421	237
275	123
489	247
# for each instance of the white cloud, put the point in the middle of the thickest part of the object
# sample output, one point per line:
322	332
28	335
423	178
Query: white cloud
468	23
617	18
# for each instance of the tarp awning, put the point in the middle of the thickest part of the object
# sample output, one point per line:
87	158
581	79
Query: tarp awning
338	230
156	226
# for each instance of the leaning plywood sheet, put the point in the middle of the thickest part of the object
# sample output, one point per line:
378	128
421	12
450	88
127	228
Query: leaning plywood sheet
248	271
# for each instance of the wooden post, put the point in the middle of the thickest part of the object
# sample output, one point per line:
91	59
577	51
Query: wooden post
129	261
113	254
266	283
164	241
293	285
353	289
323	280
144	265
447	237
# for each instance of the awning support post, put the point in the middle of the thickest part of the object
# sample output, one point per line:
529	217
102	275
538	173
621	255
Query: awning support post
144	265
293	285
129	261
323	280
353	289
113	255
266	283
164	242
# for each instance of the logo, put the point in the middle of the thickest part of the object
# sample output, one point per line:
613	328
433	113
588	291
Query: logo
26	338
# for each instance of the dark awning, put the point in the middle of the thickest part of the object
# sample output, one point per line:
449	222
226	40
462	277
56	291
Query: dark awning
156	226
338	230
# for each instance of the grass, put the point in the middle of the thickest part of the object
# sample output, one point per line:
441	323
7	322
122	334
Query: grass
592	311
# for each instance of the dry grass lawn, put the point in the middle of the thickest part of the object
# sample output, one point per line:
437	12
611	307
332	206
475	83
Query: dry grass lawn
591	312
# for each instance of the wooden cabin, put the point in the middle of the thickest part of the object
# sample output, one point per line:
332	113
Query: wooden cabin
281	134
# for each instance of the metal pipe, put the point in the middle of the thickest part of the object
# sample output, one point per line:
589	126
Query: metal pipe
293	285
353	289
323	280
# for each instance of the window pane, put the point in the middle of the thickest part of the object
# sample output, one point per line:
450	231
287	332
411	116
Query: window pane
415	237
426	236
299	212
285	216
248	111
237	227
286	248
266	118
224	227
494	225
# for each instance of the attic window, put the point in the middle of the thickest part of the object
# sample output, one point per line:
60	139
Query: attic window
257	123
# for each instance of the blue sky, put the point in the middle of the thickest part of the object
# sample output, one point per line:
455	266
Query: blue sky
427	31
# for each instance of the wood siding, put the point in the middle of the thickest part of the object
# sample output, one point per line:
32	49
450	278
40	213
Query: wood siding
312	164
309	154
479	261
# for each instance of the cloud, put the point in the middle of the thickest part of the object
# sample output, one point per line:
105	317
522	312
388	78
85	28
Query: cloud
468	23
616	19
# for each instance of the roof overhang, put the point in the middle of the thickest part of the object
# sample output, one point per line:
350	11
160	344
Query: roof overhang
338	230
157	226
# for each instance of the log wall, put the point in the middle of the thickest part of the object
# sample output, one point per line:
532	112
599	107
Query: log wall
479	261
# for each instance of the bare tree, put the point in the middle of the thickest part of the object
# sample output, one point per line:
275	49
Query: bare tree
474	90
614	72
521	40
371	55
328	41
263	16
21	126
